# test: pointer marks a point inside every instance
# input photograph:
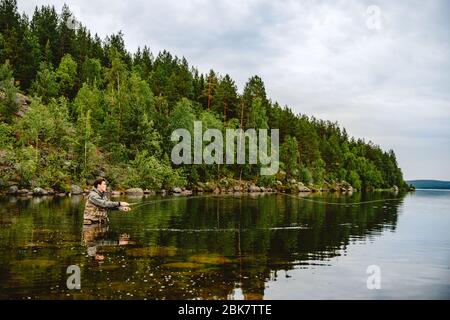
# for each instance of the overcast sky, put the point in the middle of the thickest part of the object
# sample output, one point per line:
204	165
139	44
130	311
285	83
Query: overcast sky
382	72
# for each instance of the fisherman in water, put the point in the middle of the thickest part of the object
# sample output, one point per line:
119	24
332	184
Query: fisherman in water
95	226
98	204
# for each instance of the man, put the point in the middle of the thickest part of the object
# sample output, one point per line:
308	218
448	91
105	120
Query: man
98	204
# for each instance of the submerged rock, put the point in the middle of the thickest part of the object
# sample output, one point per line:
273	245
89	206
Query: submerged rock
209	259
183	265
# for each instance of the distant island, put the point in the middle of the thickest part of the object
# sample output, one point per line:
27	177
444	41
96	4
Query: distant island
429	184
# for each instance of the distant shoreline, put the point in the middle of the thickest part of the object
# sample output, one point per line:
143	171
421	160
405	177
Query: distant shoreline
430	189
430	184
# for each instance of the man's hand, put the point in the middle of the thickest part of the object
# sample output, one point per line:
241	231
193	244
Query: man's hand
124	204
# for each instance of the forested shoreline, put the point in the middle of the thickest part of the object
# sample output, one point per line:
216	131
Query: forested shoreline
74	107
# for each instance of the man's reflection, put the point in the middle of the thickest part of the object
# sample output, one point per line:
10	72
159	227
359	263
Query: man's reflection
96	235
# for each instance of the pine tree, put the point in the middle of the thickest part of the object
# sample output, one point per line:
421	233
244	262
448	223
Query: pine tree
8	91
226	98
45	84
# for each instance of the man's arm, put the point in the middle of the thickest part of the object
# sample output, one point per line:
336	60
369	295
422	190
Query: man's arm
104	203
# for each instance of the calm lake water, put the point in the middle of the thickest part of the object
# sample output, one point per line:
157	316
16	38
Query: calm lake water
230	247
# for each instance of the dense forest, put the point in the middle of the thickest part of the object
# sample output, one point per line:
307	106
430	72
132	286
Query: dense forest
96	109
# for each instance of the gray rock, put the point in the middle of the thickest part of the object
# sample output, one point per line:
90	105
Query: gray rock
13	190
176	190
23	103
74	189
237	188
303	189
134	192
23	191
254	188
39	192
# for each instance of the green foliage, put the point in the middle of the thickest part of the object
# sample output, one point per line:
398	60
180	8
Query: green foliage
305	175
353	179
105	109
182	116
318	171
289	155
45	84
87	159
225	99
37	125
267	181
257	117
66	75
25	164
8	105
91	71
146	171
6	137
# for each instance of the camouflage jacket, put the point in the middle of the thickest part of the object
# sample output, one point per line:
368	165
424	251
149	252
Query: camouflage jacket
97	205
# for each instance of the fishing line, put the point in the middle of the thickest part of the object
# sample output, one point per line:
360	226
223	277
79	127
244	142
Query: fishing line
341	203
226	229
141	204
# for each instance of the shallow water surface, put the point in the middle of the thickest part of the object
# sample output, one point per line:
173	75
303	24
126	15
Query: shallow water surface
230	247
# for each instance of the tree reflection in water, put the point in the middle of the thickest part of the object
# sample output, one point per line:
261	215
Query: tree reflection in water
208	248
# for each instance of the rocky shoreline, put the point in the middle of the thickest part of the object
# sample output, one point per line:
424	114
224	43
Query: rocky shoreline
221	187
